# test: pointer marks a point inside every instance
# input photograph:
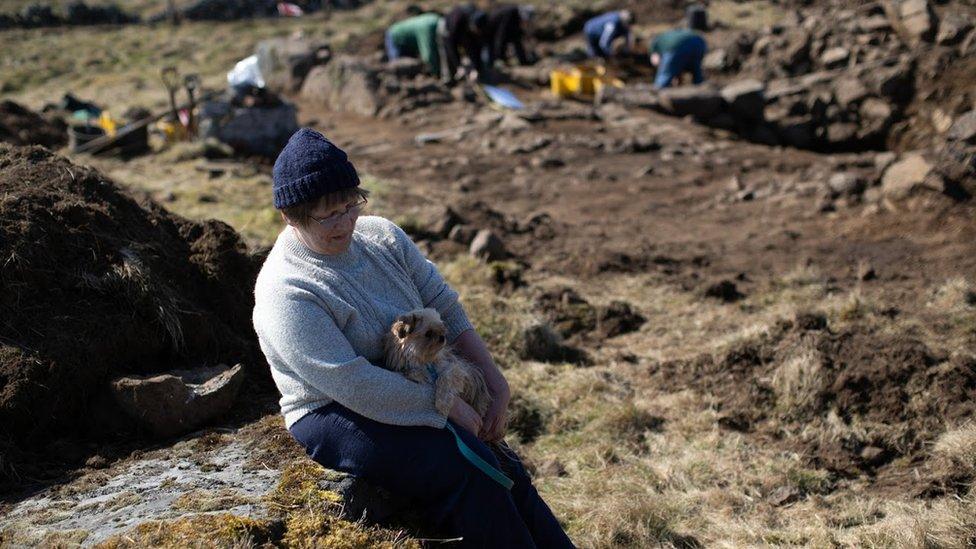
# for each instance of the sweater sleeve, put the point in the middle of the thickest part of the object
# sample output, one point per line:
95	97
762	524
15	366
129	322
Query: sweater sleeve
434	290
304	337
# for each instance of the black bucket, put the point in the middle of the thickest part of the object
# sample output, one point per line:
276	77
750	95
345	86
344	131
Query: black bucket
79	136
133	143
697	17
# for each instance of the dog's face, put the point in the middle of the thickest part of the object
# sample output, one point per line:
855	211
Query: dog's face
420	335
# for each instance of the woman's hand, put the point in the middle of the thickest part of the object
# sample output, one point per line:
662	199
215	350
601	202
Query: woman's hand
493	427
465	416
496	418
470	346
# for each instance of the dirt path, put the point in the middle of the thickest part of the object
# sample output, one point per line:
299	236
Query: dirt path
726	207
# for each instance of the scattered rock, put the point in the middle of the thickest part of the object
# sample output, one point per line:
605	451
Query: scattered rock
724	290
846	184
531	146
547	162
876	109
866	272
875	23
487	246
873	455
849	90
745	99
964	128
640	144
451	135
840	133
513	123
952	29
178	401
701	101
908	175
462	234
941	120
914	19
884	159
444	222
835	57
716	60
784	495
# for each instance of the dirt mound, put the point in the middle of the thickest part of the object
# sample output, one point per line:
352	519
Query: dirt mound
96	284
37	15
575	318
21	126
855	401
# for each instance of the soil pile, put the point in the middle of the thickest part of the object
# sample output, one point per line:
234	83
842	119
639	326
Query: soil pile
38	15
882	399
95	284
21	126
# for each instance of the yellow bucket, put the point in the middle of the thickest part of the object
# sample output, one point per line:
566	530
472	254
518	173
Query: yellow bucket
584	78
107	123
561	83
581	80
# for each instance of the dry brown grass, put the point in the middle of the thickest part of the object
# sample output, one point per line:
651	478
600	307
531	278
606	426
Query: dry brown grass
640	467
799	383
958	445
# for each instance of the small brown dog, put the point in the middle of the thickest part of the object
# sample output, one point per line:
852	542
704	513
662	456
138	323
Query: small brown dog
417	340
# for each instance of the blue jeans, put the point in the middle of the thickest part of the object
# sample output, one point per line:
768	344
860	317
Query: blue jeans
687	57
391	50
423	464
593	48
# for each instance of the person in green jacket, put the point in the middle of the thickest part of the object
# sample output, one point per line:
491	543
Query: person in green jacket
416	37
677	52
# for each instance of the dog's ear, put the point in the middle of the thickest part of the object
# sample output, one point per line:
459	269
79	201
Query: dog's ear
400	329
404	324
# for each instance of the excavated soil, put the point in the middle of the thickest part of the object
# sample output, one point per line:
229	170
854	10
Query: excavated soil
882	399
97	283
22	126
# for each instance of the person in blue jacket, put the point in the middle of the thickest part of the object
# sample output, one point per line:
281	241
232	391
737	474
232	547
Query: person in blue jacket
603	30
677	52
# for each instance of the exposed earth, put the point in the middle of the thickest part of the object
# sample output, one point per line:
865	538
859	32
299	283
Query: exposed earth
715	336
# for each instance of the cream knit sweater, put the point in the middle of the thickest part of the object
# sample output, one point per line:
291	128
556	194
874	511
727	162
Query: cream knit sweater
320	321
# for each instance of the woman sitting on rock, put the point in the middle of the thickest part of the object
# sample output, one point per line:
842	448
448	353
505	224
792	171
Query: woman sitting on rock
331	287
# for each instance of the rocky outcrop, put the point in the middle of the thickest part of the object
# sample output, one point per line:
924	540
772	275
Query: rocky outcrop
179	401
285	62
369	87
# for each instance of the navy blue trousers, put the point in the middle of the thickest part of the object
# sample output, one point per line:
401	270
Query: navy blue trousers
423	465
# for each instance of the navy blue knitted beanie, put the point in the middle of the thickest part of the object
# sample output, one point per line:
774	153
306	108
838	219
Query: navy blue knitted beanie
308	167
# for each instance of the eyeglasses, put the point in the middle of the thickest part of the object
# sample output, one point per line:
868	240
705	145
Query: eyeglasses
334	220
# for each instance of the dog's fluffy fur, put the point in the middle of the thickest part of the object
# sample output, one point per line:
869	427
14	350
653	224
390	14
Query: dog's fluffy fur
417	339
